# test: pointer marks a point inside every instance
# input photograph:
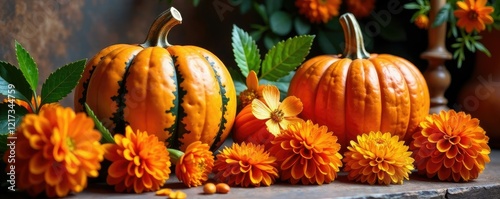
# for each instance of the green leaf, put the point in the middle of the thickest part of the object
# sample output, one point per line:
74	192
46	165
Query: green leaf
28	66
302	27
11	116
280	23
261	10
62	81
270	40
106	135
285	57
12	83
442	15
245	50
482	48
412	6
283	84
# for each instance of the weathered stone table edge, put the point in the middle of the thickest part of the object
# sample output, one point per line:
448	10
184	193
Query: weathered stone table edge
486	186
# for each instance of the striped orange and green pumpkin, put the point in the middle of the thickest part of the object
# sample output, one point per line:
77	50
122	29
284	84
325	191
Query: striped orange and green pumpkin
181	94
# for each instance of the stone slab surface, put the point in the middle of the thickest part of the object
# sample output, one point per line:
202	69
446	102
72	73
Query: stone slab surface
487	186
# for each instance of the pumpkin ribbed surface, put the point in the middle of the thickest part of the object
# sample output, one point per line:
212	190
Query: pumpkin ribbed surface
359	92
181	94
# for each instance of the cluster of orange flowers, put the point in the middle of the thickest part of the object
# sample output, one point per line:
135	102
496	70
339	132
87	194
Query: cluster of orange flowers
59	149
449	145
471	14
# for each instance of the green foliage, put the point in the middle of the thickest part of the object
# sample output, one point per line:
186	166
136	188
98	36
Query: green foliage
278	64
62	81
106	135
22	83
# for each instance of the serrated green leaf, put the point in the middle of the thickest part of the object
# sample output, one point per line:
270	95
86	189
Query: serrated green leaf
62	81
280	23
28	66
10	75
245	50
285	57
442	15
106	136
11	116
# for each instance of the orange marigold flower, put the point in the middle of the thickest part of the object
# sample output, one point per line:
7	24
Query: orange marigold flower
319	11
452	146
56	150
360	8
253	91
139	162
422	21
307	153
473	14
378	157
278	114
193	166
245	165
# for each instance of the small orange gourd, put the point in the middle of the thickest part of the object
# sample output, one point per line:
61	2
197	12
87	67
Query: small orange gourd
358	92
181	94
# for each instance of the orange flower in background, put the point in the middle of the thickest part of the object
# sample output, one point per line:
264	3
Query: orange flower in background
278	114
378	157
193	166
56	150
245	165
360	8
422	21
473	14
139	162
451	146
253	91
318	11
307	153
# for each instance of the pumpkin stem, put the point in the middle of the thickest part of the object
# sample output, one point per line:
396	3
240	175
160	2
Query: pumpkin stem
158	31
354	45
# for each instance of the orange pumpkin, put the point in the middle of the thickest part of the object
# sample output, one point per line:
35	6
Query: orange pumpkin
358	92
247	128
181	94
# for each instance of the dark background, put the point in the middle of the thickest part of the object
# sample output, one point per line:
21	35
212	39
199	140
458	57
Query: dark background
57	32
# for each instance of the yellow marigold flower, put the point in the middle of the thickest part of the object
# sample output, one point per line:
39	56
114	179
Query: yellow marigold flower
56	150
378	158
193	166
245	165
473	14
139	162
253	91
318	11
360	8
452	146
307	153
422	21
278	114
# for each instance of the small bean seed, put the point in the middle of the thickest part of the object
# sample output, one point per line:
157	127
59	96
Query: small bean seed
209	188
222	188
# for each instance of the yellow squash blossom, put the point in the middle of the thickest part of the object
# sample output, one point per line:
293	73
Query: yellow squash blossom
451	146
278	114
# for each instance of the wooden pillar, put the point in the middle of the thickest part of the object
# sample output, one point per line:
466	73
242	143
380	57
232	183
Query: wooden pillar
437	76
